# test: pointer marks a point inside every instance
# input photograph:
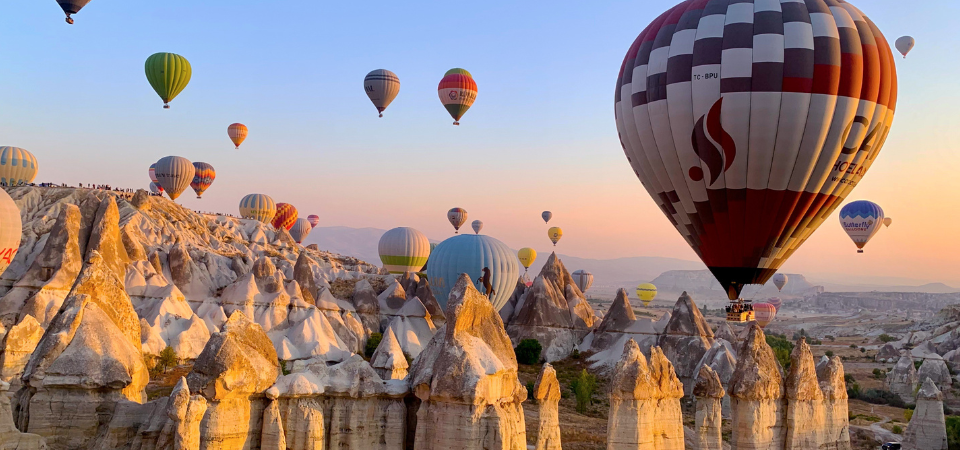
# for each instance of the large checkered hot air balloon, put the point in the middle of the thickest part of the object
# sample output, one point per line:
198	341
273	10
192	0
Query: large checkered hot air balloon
457	92
750	122
286	216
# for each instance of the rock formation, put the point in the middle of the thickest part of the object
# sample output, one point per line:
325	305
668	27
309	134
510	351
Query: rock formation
185	413
547	393
367	305
645	403
10	437
343	318
805	421
388	360
425	294
619	325
756	393
837	420
20	342
466	380
936	370
391	301
888	354
903	379
927	429
709	391
685	339
552	311
514	302
412	327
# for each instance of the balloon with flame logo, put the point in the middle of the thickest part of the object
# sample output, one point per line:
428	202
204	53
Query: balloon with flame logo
457	92
382	86
527	256
174	174
555	233
202	178
300	229
477	226
887	221
286	216
237	133
457	217
314	220
583	280
546	215
861	220
11	229
905	44
776	302
258	207
646	292
780	280
764	313
748	161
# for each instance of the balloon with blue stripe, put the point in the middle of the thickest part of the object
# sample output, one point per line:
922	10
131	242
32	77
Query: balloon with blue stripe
861	220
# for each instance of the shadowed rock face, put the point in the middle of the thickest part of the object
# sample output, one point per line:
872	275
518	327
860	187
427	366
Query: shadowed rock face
303	274
367	305
685	339
467	380
388	360
834	388
936	370
903	379
425	294
888	353
805	421
927	429
105	237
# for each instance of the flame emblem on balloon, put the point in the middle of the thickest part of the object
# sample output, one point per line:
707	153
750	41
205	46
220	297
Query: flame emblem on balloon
707	134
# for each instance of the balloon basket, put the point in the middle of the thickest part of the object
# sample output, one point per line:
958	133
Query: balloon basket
860	250
69	20
166	106
457	123
381	116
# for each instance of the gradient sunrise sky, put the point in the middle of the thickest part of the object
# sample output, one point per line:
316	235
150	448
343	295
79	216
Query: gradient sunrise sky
541	134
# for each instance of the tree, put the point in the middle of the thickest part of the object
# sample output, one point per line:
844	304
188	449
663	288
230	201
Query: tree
528	351
829	353
886	338
583	387
372	343
168	359
781	348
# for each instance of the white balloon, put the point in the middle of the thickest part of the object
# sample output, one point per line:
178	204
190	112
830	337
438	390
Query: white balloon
905	44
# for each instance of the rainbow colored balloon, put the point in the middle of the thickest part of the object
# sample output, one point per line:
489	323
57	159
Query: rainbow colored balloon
457	91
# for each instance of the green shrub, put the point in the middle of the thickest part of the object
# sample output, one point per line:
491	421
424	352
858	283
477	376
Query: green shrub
876	396
530	387
953	432
879	374
829	353
372	343
583	387
848	378
575	354
863	350
886	338
781	348
528	351
167	360
916	364
853	345
907	415
896	429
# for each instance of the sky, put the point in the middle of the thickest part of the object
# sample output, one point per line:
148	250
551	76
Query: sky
541	135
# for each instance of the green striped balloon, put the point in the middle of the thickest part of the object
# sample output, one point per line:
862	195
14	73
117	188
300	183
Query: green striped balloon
403	249
169	74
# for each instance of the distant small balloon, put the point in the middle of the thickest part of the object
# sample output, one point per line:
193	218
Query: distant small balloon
300	229
382	86
258	207
314	220
286	216
905	44
203	177
887	221
174	174
780	280
547	215
17	166
764	313
527	256
237	133
168	74
457	217
71	7
646	292
477	226
155	189
555	234
583	280
776	302
457	92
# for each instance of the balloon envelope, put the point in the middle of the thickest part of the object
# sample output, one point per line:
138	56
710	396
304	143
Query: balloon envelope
11	229
887	221
527	256
861	220
905	44
477	226
286	216
168	74
70	7
780	280
583	279
457	217
203	177
748	144
546	215
776	302
382	86
457	91
17	166
300	229
237	133
174	174
646	292
470	253
153	175
258	207
155	189
555	233
404	249
314	220
764	313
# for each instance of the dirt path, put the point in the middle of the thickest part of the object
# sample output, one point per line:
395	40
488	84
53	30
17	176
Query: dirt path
882	434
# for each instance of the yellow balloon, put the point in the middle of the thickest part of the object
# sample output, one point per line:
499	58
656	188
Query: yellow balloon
555	234
647	292
527	256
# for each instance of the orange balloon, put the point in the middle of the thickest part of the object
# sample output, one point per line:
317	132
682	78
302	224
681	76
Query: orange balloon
237	133
286	216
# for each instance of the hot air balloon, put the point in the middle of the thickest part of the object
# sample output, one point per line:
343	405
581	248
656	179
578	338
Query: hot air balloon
776	302
71	7
203	177
470	254
382	86
527	256
11	229
168	73
646	292
17	166
314	220
174	174
861	220
525	279
764	313
583	279
748	161
905	44
258	207
155	189
457	217
887	221
547	215
237	133
404	249
477	226
555	233
153	175
286	216
780	280
457	92
300	229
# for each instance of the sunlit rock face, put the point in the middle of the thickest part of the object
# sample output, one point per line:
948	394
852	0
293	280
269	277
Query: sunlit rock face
606	342
756	395
837	420
709	393
466	380
805	421
547	394
927	429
